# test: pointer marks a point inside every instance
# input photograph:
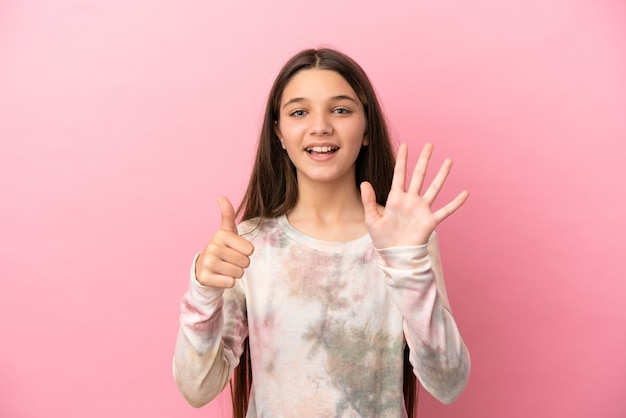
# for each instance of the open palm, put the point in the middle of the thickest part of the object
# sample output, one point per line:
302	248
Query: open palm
408	218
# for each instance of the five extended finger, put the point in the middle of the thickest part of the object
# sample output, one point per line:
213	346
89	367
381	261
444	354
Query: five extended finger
451	207
419	172
437	184
399	171
370	207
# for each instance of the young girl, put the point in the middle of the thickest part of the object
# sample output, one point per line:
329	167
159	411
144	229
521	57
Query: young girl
331	288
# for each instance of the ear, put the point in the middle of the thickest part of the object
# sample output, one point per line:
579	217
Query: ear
366	140
278	134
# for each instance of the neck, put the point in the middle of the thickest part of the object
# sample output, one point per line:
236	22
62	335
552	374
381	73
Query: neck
329	200
329	211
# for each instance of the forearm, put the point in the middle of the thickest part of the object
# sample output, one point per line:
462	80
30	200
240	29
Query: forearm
202	363
199	377
442	363
439	357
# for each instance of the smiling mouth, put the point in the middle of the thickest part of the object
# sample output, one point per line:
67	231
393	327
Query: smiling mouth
321	150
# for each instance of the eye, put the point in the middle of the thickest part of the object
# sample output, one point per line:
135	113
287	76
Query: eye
297	113
342	111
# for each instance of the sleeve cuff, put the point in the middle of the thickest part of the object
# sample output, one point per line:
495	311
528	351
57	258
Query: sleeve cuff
405	257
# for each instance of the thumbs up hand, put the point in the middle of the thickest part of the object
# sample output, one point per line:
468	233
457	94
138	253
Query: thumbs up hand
226	255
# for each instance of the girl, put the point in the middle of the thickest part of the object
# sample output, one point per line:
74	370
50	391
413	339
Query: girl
331	288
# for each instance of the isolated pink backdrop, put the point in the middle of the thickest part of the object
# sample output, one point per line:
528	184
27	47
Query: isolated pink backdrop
121	122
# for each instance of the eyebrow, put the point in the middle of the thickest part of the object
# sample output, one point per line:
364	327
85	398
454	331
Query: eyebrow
334	98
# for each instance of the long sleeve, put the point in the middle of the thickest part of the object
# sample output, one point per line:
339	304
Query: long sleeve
207	348
439	357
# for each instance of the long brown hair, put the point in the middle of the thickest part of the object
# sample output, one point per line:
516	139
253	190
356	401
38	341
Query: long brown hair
273	187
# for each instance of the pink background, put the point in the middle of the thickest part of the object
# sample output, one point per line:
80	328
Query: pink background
120	123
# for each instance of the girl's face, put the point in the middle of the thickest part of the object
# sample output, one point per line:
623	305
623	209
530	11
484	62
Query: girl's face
322	126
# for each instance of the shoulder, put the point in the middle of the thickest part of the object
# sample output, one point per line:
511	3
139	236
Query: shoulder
248	226
256	229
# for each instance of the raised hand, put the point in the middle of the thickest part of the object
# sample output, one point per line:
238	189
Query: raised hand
226	255
408	218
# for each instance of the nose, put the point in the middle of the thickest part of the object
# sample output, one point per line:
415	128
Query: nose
321	124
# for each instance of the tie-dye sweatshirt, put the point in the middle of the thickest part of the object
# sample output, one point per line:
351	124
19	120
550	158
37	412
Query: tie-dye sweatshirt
327	324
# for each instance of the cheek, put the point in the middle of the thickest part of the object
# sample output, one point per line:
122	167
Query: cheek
357	132
291	132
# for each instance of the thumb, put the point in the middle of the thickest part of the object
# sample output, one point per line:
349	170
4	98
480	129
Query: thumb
228	214
368	197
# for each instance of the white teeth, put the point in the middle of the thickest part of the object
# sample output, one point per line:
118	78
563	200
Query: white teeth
322	149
